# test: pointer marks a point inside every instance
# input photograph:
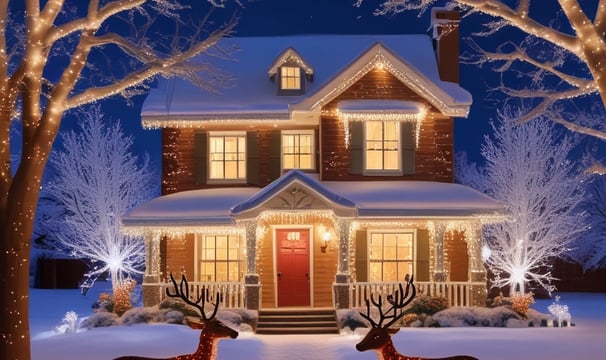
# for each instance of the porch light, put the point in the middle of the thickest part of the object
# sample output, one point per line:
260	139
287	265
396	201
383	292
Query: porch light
326	238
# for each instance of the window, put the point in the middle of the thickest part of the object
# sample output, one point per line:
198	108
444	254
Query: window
220	258
227	156
391	255
382	140
290	78
298	150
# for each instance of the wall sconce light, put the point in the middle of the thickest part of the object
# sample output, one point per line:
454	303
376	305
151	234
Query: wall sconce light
326	238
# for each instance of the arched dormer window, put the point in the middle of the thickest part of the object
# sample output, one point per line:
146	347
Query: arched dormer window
290	73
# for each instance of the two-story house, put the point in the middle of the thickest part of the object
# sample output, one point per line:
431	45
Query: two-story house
322	174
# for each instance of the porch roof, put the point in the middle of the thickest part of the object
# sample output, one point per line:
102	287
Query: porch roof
370	199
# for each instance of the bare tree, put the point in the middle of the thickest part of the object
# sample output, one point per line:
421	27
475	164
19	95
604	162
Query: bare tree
590	250
560	59
527	169
49	53
98	180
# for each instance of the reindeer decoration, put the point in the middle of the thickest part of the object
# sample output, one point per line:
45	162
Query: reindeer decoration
212	329
379	336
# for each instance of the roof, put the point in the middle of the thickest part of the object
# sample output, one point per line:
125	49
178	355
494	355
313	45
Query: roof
336	59
376	199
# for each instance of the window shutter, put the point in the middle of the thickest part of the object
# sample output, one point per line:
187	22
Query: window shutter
252	158
275	153
361	256
200	157
408	140
422	256
356	147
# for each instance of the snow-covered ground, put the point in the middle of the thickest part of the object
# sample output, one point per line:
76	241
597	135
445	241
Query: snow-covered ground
586	340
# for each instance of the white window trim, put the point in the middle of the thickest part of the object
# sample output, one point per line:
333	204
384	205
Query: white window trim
225	181
396	172
313	147
393	231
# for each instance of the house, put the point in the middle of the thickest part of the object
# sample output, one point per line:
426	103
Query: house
324	173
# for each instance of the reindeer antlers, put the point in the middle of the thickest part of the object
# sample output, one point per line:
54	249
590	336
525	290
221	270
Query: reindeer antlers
182	291
398	300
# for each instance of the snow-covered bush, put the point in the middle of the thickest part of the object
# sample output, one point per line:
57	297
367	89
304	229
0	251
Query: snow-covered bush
350	319
100	319
104	303
501	316
429	305
178	305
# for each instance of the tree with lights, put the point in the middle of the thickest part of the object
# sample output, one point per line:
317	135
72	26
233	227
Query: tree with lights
559	61
527	169
98	180
53	59
590	250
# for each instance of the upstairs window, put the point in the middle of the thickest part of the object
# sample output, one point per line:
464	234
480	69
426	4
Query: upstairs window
227	156
298	150
382	146
290	78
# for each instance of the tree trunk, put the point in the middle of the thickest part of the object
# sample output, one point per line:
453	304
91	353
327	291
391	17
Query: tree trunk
16	229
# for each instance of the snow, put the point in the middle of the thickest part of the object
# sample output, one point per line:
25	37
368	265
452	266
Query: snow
332	57
368	198
585	340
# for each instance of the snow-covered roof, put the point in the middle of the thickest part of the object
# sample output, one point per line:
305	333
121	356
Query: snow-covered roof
190	208
336	60
404	199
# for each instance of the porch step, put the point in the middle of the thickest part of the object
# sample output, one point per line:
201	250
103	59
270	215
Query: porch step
297	321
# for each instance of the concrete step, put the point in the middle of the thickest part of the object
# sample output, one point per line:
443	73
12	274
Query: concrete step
297	321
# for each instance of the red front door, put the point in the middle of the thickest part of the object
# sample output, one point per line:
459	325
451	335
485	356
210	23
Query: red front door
293	267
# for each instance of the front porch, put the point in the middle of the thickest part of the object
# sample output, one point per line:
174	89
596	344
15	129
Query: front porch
238	295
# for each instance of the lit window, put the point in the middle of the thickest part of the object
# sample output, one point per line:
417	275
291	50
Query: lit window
391	256
290	78
227	156
220	258
298	149
382	140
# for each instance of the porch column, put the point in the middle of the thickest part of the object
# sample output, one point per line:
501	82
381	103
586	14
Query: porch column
477	271
151	287
439	272
252	288
343	276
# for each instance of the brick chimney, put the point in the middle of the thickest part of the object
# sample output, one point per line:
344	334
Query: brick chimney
445	26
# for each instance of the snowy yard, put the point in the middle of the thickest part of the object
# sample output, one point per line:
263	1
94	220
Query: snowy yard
586	340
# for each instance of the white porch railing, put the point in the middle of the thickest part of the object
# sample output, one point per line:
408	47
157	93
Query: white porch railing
457	293
231	294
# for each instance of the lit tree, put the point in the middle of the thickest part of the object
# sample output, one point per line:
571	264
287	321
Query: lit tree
527	169
52	60
98	180
560	60
590	250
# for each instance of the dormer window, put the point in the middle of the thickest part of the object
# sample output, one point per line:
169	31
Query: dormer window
290	78
290	73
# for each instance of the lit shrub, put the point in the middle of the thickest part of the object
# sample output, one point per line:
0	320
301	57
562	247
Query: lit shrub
122	296
104	303
520	303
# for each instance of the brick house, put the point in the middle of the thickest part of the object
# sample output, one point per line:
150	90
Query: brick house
323	173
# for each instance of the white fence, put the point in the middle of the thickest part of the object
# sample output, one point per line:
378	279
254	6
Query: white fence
231	294
457	293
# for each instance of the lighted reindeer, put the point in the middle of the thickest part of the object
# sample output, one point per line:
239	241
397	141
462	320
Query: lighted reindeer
212	329
379	336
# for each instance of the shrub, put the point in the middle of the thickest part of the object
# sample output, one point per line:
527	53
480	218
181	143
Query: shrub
180	306
429	305
350	318
104	303
100	319
122	296
520	303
